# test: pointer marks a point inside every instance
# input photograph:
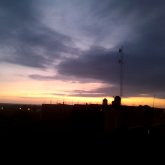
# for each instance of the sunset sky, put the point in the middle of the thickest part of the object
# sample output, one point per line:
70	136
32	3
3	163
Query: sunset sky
67	50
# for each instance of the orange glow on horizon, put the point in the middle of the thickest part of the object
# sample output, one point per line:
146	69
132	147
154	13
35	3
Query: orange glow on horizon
17	87
38	99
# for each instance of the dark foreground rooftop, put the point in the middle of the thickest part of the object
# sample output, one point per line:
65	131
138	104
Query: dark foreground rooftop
54	126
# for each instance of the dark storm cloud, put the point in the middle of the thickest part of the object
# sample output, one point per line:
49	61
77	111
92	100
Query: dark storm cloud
85	93
143	74
60	77
41	77
97	63
100	92
25	40
54	94
144	63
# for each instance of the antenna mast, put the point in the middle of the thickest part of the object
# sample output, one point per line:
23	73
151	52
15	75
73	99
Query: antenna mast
121	70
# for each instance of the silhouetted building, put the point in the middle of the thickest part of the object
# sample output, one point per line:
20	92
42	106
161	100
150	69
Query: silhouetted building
105	102
117	102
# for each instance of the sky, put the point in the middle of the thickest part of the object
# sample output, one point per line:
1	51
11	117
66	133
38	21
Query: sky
67	50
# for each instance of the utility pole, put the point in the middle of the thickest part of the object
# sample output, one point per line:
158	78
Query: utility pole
121	70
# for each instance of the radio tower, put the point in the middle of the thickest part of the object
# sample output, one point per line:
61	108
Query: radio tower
121	70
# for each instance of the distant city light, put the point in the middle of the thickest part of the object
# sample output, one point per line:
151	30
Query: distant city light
2	108
28	109
20	108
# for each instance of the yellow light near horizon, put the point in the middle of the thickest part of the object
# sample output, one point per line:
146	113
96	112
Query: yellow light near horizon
133	101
